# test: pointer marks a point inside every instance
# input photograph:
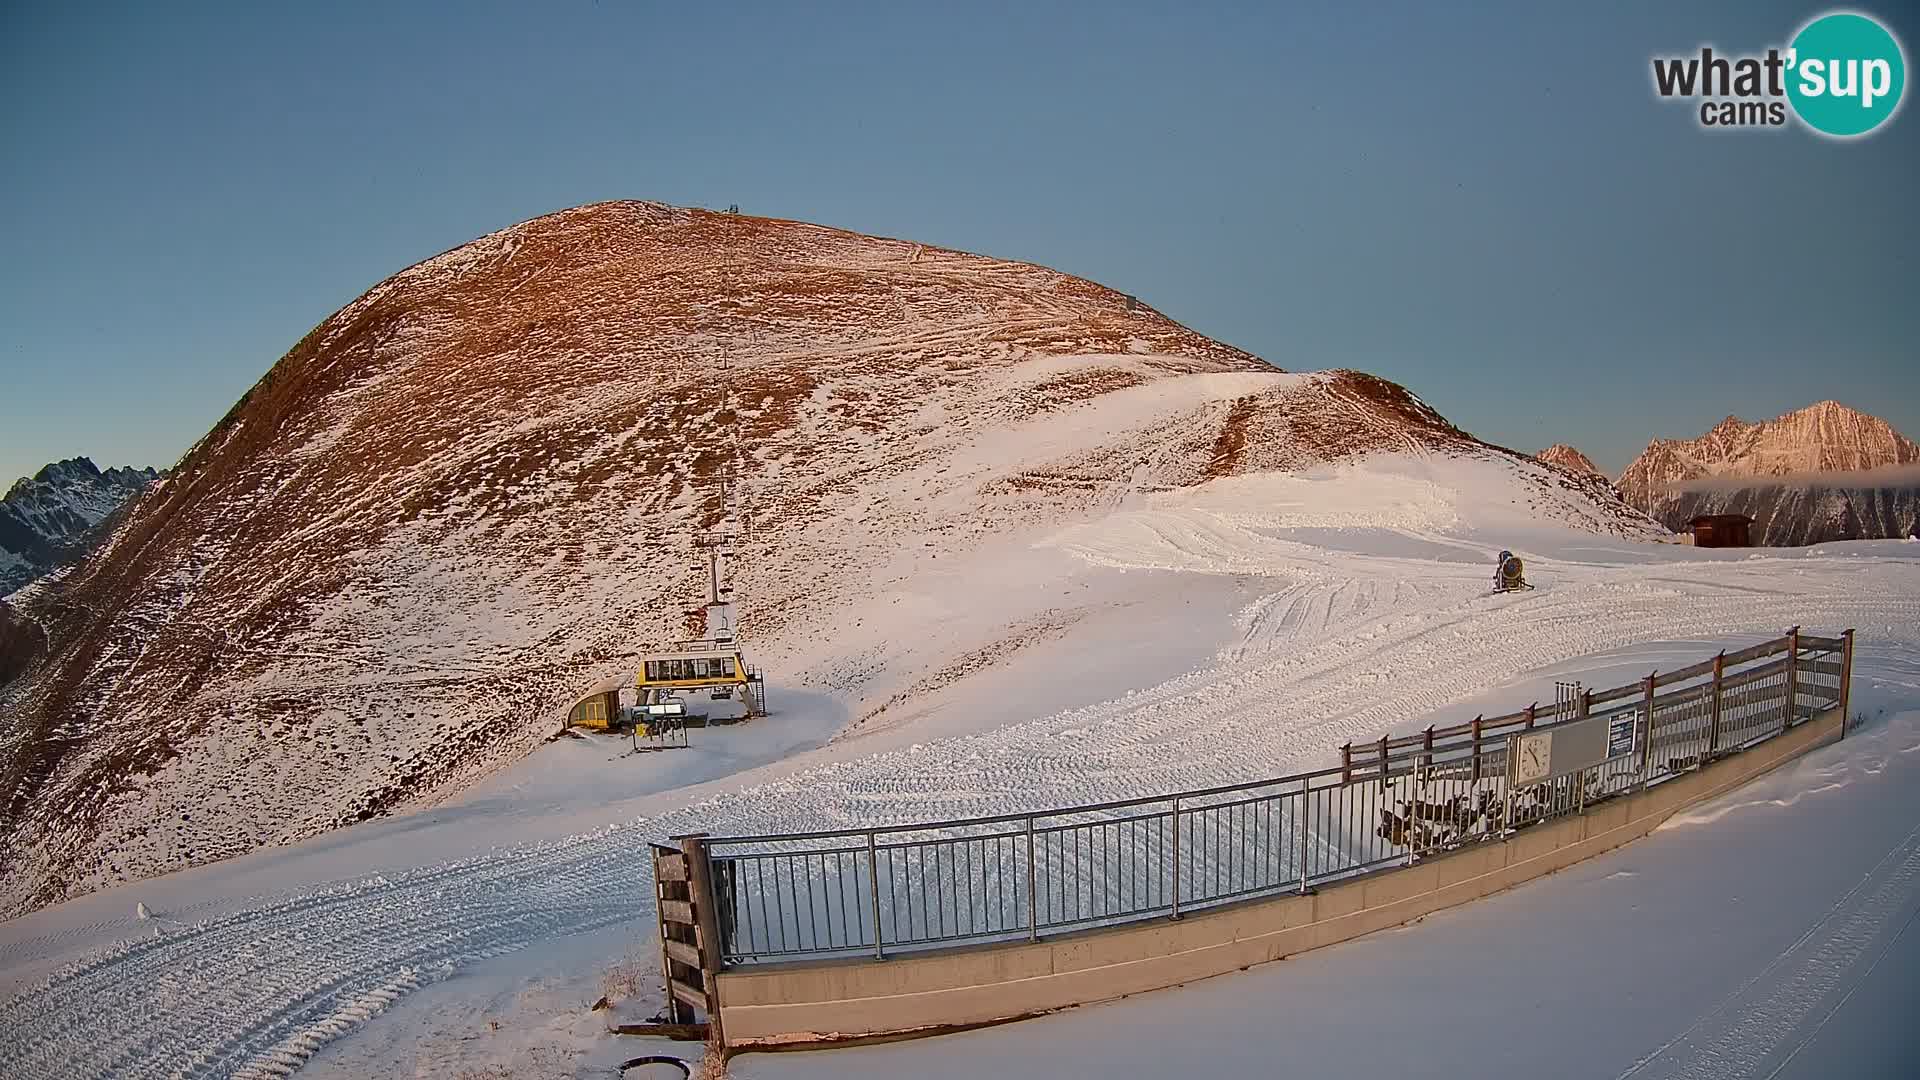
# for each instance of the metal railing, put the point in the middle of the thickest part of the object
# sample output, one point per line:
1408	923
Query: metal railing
1388	802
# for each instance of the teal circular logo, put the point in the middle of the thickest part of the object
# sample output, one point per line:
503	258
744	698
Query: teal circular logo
1845	74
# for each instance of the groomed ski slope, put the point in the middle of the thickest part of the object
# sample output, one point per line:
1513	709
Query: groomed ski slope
1358	604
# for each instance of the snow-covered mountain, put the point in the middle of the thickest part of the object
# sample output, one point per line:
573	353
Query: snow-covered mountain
472	495
1569	458
47	518
1827	437
1871	505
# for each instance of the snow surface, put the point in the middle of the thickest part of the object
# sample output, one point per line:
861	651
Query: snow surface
1238	629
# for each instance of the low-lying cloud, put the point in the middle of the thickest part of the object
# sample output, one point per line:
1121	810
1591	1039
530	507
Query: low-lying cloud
1886	476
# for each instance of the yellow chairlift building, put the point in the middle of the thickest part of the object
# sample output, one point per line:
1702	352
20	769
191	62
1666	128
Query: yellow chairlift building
713	662
702	665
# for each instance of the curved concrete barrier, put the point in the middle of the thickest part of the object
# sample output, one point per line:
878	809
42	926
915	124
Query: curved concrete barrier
925	993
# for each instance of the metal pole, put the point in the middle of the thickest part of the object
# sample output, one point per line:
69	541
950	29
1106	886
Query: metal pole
1713	722
1793	676
1033	913
1846	678
1302	817
1176	857
1422	776
873	894
1507	780
1646	748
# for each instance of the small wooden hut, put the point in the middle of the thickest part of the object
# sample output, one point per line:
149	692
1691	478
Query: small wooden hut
1722	530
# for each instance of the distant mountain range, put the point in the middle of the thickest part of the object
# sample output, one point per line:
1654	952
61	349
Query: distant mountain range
1825	472
49	518
1827	437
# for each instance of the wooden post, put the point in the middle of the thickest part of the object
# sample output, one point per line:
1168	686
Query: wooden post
1530	711
1476	749
678	1012
1846	678
1426	758
1346	764
1383	759
1713	722
707	919
1793	676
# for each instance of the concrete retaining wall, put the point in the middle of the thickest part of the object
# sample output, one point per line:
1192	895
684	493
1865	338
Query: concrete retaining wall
926	992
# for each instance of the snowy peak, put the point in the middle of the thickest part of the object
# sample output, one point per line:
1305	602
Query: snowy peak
46	518
1826	437
1569	458
1830	437
1728	431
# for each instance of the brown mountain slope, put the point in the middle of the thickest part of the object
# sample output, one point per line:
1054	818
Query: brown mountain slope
472	494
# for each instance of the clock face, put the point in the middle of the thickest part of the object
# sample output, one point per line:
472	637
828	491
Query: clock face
1533	758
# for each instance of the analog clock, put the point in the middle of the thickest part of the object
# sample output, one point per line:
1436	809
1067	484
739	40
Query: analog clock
1533	758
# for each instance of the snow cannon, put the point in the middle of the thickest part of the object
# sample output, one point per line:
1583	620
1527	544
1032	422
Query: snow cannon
1511	574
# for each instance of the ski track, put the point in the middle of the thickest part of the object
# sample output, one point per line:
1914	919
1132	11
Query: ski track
1345	648
1747	1029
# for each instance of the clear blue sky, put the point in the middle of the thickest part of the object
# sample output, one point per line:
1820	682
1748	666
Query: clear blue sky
1485	203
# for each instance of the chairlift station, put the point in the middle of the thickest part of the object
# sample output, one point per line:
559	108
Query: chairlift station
711	661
